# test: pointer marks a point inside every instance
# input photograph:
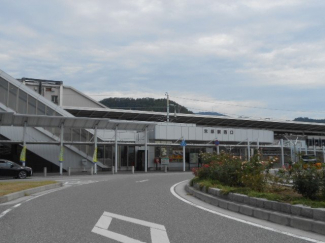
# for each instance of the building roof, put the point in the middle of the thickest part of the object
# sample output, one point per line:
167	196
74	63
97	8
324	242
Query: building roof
202	120
13	119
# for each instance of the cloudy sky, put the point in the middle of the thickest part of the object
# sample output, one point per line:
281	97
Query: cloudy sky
254	58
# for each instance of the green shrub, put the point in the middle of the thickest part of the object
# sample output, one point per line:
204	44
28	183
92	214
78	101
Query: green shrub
307	180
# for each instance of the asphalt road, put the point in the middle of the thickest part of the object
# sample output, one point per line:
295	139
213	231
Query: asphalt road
125	207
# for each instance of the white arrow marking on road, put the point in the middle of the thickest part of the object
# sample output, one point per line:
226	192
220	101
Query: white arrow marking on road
157	231
143	180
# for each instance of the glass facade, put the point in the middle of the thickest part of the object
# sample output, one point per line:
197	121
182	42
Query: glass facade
23	103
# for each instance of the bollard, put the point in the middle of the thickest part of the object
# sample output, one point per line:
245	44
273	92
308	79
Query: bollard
69	171
91	170
132	169
113	170
45	171
165	168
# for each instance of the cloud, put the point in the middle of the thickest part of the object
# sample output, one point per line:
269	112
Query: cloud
245	52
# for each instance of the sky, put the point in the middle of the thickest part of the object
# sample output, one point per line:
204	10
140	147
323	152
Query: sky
248	58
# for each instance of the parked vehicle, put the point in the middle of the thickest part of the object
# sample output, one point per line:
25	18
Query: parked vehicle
310	159
12	169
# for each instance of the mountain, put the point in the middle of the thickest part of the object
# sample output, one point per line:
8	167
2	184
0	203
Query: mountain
144	104
306	119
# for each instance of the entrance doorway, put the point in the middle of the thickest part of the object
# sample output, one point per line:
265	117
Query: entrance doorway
140	165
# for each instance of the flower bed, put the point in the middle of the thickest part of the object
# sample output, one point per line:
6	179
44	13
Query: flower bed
232	174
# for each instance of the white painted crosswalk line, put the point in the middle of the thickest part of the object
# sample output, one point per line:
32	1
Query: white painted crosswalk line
157	231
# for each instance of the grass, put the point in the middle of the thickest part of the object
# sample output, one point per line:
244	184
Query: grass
16	186
281	194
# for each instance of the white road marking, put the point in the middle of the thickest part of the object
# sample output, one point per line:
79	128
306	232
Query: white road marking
75	182
172	190
157	231
32	198
142	181
5	212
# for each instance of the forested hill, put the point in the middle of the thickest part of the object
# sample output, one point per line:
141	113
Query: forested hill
306	119
143	104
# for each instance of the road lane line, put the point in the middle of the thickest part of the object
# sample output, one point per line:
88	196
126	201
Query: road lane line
135	221
5	212
159	236
17	205
104	222
172	190
142	181
115	236
158	232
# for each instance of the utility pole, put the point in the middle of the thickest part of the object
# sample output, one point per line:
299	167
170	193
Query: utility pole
167	106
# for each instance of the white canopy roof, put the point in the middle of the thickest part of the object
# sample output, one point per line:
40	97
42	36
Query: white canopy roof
13	119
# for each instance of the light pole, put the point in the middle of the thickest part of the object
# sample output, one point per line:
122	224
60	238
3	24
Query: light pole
167	106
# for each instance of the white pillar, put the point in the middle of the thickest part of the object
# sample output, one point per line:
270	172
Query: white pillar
218	149
184	158
314	150
24	144
116	149
95	151
61	95
248	150
167	107
145	150
61	149
282	153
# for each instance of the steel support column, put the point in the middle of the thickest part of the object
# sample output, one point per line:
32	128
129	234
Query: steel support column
282	153
146	150
61	149
184	158
23	156
116	155
95	151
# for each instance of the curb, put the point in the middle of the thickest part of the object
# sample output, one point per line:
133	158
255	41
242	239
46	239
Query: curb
28	192
307	219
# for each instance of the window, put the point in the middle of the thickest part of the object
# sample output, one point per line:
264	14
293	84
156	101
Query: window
40	108
31	105
13	91
3	91
54	99
2	164
5	164
212	131
22	105
224	131
205	130
231	132
48	89
219	132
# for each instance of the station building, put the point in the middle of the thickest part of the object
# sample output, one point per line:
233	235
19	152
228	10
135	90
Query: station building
124	136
